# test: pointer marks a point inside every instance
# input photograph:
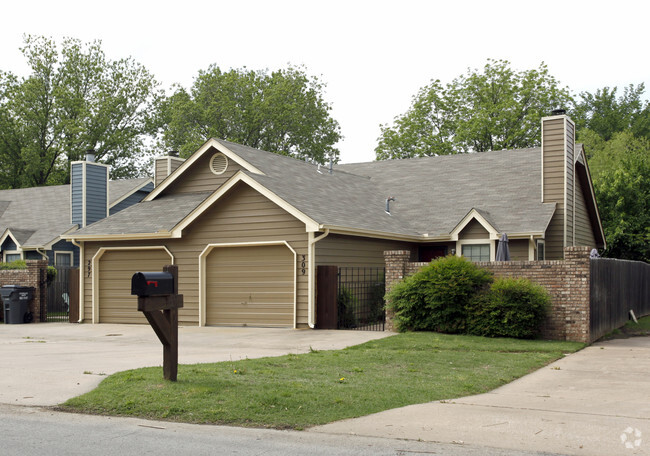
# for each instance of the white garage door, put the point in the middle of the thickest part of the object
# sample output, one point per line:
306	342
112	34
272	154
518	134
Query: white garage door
250	286
116	267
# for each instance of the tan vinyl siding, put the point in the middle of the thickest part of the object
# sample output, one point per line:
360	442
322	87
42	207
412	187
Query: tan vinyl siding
518	249
250	286
584	229
161	166
243	215
339	250
474	230
570	171
199	177
553	166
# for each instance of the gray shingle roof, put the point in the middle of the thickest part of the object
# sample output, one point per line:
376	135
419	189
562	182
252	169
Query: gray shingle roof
39	215
432	195
161	214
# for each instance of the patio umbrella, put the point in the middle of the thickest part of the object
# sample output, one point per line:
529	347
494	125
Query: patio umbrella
503	251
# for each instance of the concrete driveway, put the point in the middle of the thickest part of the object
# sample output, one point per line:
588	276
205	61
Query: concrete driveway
593	402
48	363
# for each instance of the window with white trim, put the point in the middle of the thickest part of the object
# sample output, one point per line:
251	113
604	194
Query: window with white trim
541	250
63	259
12	256
476	252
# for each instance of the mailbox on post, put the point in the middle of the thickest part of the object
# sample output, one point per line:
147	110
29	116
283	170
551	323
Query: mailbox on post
159	301
145	284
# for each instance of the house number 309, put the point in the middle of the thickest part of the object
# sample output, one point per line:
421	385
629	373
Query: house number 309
89	268
302	265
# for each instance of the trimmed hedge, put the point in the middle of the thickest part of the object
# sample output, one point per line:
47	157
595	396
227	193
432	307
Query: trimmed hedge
434	298
510	308
16	264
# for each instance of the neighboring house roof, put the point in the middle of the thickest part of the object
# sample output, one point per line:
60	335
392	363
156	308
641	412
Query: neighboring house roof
432	195
36	217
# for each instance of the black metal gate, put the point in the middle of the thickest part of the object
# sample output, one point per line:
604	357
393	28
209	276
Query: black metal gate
58	295
360	298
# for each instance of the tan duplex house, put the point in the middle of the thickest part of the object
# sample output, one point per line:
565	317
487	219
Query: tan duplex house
248	228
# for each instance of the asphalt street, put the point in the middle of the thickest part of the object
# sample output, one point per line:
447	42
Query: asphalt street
35	431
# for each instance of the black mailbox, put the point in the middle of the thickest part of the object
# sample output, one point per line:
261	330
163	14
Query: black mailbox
145	284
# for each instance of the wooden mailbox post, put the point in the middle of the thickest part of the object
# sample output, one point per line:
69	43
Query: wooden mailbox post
159	300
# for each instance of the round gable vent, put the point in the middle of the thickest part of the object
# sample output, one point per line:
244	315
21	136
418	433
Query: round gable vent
218	163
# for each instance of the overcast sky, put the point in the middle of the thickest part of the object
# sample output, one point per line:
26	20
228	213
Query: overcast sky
373	55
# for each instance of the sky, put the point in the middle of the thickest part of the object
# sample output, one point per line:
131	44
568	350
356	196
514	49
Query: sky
373	56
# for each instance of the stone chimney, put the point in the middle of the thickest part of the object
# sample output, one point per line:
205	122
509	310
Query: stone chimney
558	169
164	166
88	190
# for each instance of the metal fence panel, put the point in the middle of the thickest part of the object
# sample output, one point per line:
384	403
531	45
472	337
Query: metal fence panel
360	298
58	295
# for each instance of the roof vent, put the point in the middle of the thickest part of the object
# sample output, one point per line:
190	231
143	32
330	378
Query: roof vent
173	153
388	200
558	112
90	155
218	163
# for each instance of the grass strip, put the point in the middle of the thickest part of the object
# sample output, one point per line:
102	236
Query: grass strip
298	391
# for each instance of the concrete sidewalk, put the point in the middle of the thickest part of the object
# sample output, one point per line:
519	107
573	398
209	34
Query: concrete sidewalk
582	404
48	363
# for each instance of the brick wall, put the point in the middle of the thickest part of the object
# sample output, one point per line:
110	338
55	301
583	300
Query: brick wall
30	277
566	280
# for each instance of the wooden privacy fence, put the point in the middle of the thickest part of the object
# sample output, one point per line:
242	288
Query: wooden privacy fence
616	287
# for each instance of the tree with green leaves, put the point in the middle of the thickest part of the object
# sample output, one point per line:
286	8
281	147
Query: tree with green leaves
281	111
73	100
623	196
605	113
496	108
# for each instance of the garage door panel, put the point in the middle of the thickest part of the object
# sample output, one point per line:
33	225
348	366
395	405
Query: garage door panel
252	285
116	267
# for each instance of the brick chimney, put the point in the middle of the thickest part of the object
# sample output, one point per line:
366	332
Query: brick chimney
88	190
558	169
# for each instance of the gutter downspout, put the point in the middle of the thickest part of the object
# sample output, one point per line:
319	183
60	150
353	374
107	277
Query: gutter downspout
43	254
311	299
81	279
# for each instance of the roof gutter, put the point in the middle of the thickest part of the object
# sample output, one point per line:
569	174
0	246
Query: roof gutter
311	298
122	236
81	279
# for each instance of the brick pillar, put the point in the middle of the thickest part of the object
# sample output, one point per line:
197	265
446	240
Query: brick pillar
396	261
577	307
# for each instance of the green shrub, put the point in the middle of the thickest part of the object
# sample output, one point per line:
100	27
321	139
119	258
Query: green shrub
17	264
509	308
434	298
51	274
346	302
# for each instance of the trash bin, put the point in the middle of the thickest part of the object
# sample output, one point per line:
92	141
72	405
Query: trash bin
16	299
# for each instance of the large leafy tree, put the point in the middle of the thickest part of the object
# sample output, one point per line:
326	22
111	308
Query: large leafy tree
281	111
606	113
496	108
624	201
73	100
615	130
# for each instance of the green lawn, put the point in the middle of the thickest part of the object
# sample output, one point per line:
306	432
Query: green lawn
297	391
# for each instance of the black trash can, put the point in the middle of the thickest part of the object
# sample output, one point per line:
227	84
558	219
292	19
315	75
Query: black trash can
16	299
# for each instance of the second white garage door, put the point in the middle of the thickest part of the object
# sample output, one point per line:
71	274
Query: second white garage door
250	286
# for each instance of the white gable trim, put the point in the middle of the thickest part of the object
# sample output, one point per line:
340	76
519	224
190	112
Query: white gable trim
310	224
474	215
205	148
7	234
